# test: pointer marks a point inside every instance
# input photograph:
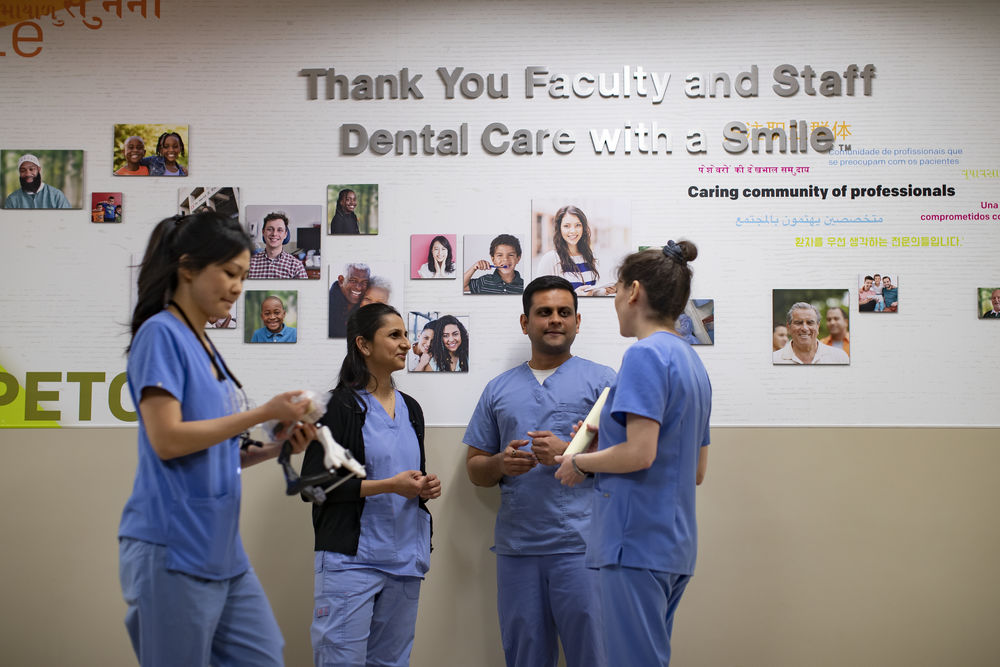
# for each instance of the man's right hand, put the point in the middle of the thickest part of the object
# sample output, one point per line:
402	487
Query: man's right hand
515	462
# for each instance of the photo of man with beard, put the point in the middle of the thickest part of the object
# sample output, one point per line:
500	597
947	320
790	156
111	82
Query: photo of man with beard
34	193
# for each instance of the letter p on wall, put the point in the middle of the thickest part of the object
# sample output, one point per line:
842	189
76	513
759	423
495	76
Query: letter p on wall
42	398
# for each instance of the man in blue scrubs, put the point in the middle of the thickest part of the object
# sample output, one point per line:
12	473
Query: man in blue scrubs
522	422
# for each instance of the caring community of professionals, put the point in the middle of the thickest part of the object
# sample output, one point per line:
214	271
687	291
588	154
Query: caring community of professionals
593	550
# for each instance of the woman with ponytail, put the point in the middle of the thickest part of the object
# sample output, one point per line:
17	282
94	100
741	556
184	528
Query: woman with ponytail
651	453
192	597
373	535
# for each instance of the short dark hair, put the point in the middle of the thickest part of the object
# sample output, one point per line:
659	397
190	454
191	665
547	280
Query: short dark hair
505	239
543	283
869	278
276	215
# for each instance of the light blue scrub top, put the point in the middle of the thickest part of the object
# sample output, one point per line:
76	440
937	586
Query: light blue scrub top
190	504
646	519
538	515
263	335
395	532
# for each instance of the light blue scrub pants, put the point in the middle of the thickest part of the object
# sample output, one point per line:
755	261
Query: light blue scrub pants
542	598
177	619
363	617
639	608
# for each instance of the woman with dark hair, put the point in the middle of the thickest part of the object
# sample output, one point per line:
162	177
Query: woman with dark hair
450	346
372	535
651	454
192	597
572	257
344	220
440	260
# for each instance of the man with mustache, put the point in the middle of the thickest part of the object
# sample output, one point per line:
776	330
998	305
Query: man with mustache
34	193
345	297
545	593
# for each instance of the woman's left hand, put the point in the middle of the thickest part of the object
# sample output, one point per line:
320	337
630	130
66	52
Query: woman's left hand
566	474
432	487
301	436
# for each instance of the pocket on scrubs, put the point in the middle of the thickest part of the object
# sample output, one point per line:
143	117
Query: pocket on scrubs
411	588
567	414
377	543
201	535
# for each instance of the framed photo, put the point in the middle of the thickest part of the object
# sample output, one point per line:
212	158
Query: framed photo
150	150
441	342
270	316
433	256
353	284
352	209
225	201
106	207
287	241
36	179
582	239
491	264
816	326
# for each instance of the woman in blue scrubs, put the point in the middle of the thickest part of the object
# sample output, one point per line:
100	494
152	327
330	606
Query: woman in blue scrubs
372	535
192	597
651	453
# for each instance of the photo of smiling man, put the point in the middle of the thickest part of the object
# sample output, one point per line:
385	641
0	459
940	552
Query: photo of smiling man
811	315
498	274
276	311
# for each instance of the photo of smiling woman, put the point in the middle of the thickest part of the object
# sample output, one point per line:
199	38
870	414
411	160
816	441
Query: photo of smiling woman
270	316
352	209
442	342
432	255
372	536
580	247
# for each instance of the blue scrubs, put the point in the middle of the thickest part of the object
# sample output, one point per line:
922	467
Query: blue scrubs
263	335
366	604
543	587
644	536
179	531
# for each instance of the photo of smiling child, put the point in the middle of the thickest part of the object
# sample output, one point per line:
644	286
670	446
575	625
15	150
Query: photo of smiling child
168	156
134	151
270	316
491	264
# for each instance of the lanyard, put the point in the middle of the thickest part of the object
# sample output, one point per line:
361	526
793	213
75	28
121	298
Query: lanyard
214	355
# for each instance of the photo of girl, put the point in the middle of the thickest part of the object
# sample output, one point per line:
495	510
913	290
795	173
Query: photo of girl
581	249
169	156
352	208
447	342
432	256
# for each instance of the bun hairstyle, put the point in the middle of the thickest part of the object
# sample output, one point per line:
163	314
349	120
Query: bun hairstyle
664	274
200	239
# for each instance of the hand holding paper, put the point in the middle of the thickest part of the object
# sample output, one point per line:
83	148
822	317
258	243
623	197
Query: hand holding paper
584	436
